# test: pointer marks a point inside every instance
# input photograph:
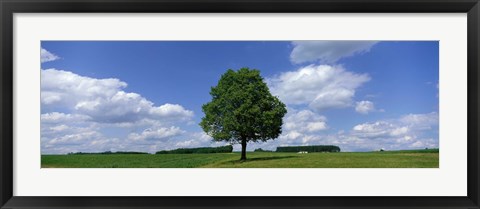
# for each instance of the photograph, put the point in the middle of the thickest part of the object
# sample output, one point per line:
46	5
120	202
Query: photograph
239	104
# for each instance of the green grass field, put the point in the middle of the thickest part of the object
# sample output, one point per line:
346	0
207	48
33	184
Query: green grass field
388	159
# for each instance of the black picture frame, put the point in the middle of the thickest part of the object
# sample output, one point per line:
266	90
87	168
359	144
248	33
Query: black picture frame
9	7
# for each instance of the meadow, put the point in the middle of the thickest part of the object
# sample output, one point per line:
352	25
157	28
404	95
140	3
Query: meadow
386	159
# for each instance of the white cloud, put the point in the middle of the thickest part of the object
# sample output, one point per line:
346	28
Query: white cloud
379	129
61	136
364	107
421	121
401	126
87	141
59	128
327	51
63	133
46	56
407	132
299	127
399	131
99	115
316	126
291	135
56	126
92	137
65	87
158	133
77	138
395	134
321	87
171	111
304	121
198	139
58	117
103	100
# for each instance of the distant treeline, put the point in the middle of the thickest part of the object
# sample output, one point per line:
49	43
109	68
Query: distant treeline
316	148
426	150
104	153
262	150
224	149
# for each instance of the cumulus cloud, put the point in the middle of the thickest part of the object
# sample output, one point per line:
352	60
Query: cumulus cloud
421	121
63	133
55	125
304	121
413	131
198	139
320	87
59	128
327	51
171	111
87	141
77	138
46	56
364	107
409	131
157	133
146	141
379	129
58	117
103	100
98	115
298	128
89	136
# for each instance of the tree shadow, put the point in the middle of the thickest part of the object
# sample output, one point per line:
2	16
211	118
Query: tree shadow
254	159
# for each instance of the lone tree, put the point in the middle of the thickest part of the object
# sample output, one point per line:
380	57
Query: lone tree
243	110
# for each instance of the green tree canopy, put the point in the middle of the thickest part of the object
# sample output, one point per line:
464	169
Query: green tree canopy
243	110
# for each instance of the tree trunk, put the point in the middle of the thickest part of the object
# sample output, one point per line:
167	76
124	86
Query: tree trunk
244	150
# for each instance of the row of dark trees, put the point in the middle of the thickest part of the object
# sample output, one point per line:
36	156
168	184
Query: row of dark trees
317	148
223	149
261	150
229	148
105	153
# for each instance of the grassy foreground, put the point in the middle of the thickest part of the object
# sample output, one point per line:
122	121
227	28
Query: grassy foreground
389	159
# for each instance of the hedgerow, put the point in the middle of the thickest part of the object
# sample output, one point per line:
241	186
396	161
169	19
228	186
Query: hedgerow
316	148
223	149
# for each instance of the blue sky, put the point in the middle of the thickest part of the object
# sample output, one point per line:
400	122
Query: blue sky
147	95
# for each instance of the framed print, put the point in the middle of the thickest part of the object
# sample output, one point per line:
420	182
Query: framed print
265	104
